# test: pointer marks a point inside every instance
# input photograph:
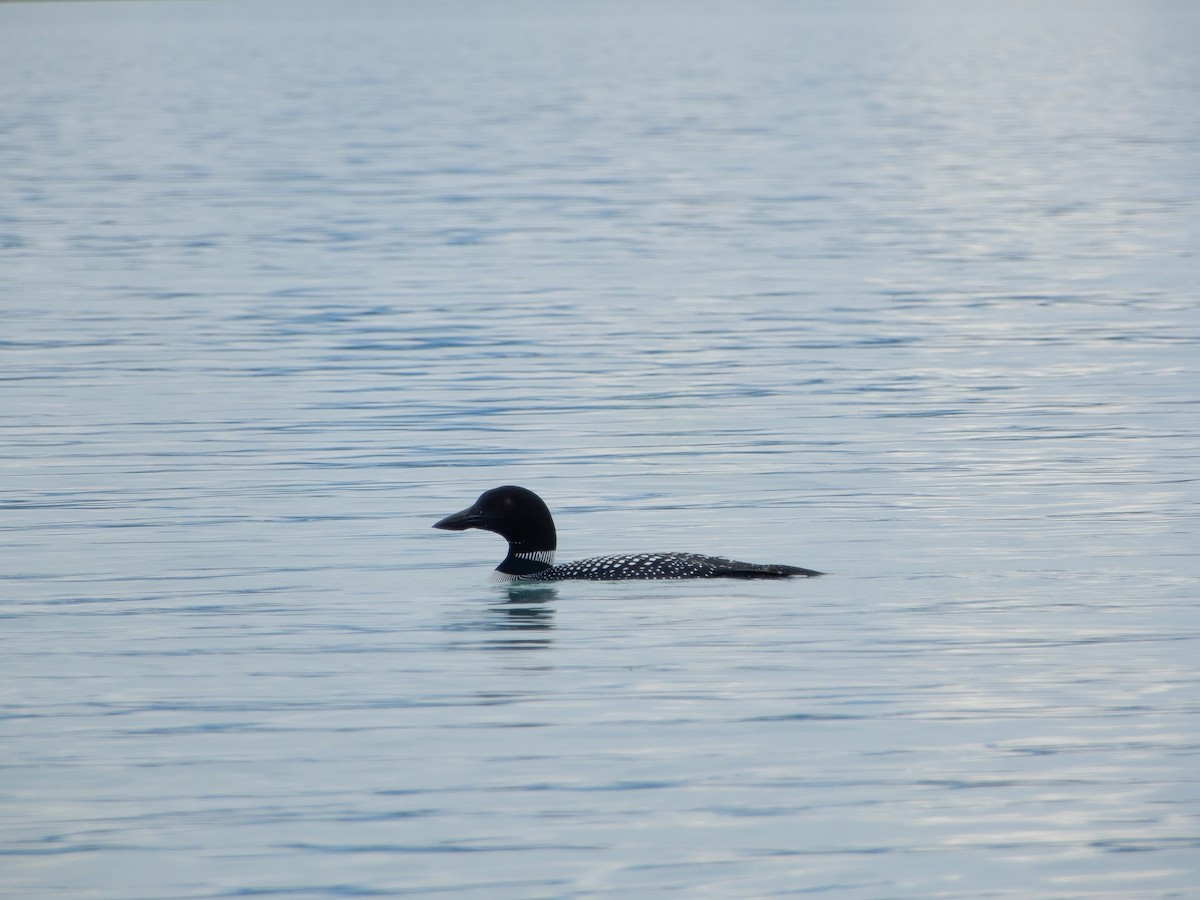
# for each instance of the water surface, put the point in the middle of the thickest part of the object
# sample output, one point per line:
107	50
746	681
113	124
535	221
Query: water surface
902	292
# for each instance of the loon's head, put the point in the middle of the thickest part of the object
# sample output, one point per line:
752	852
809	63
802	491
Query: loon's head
516	514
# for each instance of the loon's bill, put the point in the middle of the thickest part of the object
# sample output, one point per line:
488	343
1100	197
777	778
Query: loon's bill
521	517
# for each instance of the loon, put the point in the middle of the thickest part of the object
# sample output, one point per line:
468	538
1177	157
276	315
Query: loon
522	518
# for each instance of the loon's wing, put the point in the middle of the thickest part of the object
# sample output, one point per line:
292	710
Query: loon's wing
662	566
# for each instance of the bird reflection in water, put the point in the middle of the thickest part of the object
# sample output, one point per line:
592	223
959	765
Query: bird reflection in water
525	609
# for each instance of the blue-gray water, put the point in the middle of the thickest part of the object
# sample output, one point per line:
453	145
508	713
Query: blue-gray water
907	292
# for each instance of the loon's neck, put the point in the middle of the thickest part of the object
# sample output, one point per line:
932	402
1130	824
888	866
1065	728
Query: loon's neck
525	562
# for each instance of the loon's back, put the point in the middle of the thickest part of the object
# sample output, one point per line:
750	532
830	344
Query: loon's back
662	566
522	518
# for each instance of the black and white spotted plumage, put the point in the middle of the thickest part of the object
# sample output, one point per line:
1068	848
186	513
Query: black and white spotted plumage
662	566
523	519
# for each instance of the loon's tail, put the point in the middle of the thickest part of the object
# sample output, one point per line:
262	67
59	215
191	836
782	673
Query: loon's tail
732	568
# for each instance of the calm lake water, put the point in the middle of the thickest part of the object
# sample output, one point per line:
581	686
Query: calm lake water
906	292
